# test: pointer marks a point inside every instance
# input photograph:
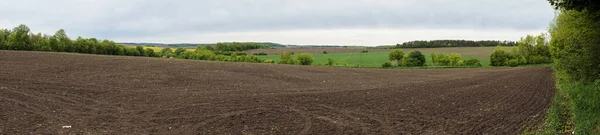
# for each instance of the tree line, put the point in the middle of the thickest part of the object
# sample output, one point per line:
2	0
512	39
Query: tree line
21	38
454	43
574	46
531	50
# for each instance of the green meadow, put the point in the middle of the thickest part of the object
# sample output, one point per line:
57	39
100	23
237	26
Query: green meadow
369	59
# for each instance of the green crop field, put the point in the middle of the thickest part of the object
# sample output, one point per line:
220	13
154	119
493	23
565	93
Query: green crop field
370	59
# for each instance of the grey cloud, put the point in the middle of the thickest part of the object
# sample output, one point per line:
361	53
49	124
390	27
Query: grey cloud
142	18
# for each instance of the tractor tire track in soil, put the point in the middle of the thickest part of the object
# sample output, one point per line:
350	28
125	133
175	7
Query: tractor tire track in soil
40	92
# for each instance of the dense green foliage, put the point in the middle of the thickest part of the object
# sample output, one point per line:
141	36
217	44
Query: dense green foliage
304	58
575	45
531	50
238	46
286	58
330	61
453	60
386	65
454	43
414	59
260	53
472	62
577	5
575	49
20	38
396	54
499	57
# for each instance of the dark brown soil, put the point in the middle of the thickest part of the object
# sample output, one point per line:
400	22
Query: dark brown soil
42	92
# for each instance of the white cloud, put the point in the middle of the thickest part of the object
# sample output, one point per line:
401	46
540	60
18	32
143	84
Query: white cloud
192	19
370	37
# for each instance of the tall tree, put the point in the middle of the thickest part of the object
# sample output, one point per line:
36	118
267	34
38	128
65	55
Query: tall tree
579	5
63	43
19	38
3	41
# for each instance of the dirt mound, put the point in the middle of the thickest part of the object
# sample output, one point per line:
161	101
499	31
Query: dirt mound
42	92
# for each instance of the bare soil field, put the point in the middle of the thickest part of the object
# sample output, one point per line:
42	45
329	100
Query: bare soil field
480	52
42	92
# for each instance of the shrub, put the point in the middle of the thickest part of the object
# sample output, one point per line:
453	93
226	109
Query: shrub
575	45
305	58
472	62
330	61
364	51
538	60
149	52
522	61
386	65
513	62
240	53
499	57
178	51
396	54
439	59
325	52
454	59
166	52
286	58
415	58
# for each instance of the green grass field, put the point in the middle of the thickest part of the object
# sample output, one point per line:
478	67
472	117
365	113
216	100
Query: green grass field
370	59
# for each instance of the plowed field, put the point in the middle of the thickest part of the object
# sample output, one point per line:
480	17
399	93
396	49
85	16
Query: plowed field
42	92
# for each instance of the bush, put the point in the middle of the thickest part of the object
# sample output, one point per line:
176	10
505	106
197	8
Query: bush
386	65
178	51
330	61
439	59
415	58
454	59
472	62
499	57
286	58
325	52
396	54
513	62
522	61
149	52
538	60
268	61
575	45
305	58
364	51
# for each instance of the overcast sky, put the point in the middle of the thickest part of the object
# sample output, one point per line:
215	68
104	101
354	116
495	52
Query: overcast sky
348	22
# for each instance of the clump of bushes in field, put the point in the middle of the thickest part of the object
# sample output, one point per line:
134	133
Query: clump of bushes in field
286	58
324	51
531	50
304	58
330	61
301	59
414	59
397	57
364	51
454	60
